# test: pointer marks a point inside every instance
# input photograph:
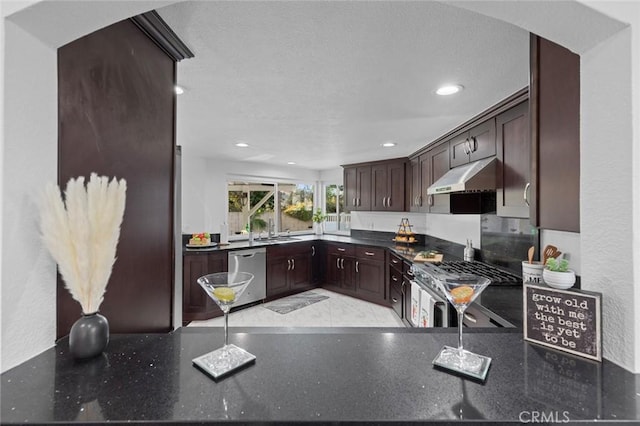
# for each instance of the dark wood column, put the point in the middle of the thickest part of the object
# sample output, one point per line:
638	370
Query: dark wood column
116	107
555	136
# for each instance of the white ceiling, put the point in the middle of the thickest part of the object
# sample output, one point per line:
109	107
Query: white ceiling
326	83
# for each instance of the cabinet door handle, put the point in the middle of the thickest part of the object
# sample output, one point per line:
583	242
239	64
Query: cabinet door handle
388	201
467	148
410	273
293	264
342	263
288	264
384	204
394	300
395	262
341	249
430	200
368	253
313	251
473	144
357	266
526	193
358	199
420	200
338	263
393	277
354	201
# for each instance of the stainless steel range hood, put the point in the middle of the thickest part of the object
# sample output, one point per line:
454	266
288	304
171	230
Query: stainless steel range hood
477	176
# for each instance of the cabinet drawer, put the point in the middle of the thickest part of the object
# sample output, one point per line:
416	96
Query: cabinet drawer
395	298
288	249
373	253
395	277
395	261
341	249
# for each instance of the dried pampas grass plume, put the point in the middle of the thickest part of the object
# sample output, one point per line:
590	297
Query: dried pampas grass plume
82	232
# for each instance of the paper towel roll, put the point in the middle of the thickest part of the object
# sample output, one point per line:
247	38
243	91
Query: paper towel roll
224	233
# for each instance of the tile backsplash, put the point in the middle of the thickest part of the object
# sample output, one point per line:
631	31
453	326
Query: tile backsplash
506	241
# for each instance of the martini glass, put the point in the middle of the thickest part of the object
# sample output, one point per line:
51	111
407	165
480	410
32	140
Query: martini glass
461	291
224	288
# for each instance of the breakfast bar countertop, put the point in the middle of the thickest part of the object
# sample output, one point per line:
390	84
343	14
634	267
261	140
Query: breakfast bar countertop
315	375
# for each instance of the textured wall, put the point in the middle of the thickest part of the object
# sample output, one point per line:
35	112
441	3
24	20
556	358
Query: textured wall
607	194
28	272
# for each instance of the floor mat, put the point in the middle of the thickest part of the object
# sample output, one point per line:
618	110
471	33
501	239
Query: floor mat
295	302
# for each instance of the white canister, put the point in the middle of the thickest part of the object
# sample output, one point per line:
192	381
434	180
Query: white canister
532	272
224	233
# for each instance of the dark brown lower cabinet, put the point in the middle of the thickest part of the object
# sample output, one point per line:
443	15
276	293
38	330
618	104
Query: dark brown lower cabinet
369	276
318	260
396	290
289	268
196	304
357	271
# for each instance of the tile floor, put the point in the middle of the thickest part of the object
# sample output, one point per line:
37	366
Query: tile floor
336	311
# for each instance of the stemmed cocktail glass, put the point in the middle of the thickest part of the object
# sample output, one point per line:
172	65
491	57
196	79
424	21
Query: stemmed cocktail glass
224	288
461	291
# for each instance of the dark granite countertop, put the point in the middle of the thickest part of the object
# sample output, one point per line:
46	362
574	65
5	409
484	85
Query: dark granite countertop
245	244
316	375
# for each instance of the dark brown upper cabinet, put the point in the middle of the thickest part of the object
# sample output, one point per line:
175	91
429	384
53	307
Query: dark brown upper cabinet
555	136
475	144
438	165
426	169
388	186
378	185
357	187
514	162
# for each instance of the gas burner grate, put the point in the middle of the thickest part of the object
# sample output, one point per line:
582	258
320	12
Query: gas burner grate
497	276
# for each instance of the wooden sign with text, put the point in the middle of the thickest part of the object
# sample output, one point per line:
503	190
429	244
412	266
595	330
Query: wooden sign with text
567	320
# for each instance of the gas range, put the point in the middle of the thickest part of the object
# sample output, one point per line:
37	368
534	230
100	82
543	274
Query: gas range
430	275
424	272
497	276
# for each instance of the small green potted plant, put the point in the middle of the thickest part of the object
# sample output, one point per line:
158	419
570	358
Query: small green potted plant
557	274
318	218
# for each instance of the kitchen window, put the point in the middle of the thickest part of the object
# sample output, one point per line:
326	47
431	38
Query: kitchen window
253	206
337	219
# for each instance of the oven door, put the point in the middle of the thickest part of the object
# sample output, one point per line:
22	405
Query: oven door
428	309
479	316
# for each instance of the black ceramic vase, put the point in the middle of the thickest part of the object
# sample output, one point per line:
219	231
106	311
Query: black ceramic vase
89	336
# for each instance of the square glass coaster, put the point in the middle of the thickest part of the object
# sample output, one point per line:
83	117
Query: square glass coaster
474	365
218	363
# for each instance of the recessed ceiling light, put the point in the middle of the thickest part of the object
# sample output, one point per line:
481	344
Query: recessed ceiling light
291	163
449	89
242	144
179	90
389	144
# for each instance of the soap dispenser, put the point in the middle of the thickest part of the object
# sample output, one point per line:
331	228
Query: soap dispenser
468	252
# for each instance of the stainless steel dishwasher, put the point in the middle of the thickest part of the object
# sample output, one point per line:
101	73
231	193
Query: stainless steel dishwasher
255	262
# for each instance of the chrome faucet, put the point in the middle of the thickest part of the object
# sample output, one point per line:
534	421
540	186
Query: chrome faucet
270	228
